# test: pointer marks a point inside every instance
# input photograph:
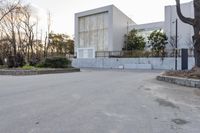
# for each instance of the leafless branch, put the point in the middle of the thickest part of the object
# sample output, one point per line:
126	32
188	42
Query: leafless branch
13	7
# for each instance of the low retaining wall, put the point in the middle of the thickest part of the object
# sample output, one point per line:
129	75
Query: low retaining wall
131	63
180	81
18	72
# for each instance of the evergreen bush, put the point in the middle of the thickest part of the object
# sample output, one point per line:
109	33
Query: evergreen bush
55	62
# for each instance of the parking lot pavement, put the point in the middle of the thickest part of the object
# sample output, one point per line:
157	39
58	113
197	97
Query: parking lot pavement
97	101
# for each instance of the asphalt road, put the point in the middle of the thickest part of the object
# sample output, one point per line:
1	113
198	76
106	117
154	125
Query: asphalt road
97	101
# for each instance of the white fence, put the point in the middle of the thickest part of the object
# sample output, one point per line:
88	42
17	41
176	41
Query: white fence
85	53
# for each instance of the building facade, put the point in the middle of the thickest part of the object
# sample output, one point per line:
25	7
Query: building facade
100	29
185	31
103	29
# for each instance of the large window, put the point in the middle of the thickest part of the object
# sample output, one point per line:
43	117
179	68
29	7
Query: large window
93	31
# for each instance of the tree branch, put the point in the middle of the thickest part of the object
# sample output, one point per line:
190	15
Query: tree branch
189	21
10	10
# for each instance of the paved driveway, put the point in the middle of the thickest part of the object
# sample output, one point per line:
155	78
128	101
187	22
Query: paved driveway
97	101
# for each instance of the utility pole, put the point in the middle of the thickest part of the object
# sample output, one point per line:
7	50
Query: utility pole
176	42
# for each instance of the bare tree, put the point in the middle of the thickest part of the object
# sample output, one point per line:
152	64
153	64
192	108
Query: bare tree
28	28
17	27
195	22
5	9
46	45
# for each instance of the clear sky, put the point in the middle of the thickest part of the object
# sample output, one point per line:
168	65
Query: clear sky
141	11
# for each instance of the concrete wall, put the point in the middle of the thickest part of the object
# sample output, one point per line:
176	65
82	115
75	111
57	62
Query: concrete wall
88	29
147	27
121	24
93	31
130	63
185	31
95	25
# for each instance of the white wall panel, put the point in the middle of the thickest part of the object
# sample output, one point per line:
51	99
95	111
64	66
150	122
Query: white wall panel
81	40
93	31
81	24
87	23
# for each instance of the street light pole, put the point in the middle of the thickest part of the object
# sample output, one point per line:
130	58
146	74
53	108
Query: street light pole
176	42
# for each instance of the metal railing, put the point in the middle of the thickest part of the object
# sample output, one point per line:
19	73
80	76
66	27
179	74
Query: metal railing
141	53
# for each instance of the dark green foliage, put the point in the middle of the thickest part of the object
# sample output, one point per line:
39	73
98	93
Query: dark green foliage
19	59
55	62
158	41
34	60
10	61
15	61
1	61
135	41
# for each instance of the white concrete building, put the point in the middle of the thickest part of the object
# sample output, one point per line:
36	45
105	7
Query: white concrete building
185	31
103	29
100	29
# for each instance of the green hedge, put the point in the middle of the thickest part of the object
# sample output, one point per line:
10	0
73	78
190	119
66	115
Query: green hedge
55	62
1	61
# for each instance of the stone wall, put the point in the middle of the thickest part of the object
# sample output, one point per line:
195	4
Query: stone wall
19	72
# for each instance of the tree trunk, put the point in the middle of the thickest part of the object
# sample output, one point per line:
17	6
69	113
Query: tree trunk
196	37
195	22
13	40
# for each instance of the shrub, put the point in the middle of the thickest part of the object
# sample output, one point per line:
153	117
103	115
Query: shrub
34	61
19	59
135	41
158	40
15	61
55	62
28	67
10	61
1	61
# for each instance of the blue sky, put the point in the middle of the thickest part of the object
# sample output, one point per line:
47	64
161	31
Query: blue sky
141	11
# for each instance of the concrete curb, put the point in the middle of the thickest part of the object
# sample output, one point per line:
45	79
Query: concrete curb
19	72
180	81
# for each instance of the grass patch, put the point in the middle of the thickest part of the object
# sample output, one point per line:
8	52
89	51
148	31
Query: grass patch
28	67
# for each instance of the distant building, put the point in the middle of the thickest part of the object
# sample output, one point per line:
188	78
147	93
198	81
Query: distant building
146	29
103	29
185	31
